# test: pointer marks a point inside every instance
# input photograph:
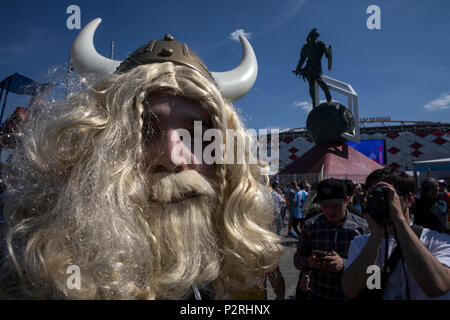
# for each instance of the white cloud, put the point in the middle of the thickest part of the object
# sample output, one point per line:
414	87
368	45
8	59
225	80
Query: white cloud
305	105
239	32
441	103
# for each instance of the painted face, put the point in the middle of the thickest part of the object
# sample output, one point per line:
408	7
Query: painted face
163	147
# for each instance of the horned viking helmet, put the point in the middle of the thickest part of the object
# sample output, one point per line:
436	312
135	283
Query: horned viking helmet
233	84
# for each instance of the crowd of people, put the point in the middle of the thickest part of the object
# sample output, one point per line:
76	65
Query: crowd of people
340	237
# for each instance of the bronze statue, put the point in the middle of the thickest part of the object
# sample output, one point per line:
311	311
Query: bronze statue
314	51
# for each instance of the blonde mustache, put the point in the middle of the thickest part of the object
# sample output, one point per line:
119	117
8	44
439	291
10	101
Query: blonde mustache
167	187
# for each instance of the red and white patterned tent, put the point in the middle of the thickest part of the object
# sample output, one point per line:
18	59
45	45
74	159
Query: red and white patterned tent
405	142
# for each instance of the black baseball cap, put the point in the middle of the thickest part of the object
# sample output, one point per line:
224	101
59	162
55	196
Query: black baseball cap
331	191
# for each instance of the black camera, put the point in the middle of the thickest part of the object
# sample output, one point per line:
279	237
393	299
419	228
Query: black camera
376	205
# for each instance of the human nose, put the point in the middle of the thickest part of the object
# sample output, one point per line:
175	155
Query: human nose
169	153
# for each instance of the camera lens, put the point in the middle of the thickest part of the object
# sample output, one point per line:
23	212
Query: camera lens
376	205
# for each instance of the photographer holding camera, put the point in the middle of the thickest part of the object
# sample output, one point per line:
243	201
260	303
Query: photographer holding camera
418	259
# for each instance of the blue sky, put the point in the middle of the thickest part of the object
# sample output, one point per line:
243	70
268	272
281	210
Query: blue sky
401	70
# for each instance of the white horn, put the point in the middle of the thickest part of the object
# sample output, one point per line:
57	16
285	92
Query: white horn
235	83
85	59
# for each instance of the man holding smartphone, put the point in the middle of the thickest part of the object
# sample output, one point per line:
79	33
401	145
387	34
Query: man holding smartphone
325	238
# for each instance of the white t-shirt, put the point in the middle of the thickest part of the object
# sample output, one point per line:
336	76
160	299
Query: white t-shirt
437	243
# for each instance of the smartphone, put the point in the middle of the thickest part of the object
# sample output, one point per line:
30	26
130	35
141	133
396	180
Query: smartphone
320	253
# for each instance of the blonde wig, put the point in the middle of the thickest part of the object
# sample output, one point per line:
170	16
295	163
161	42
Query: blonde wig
78	195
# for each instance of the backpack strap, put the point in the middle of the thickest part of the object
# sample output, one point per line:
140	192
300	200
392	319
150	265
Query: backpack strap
417	230
390	265
395	258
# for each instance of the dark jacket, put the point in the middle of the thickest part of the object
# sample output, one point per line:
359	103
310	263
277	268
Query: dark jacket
428	213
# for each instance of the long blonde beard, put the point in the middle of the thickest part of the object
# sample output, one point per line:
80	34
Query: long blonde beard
184	237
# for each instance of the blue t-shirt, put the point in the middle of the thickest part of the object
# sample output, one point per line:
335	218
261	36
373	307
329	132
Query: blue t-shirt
299	200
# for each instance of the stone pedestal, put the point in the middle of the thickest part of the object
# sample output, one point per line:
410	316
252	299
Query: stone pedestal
327	121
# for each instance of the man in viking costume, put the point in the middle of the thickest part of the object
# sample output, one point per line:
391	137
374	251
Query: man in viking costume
95	184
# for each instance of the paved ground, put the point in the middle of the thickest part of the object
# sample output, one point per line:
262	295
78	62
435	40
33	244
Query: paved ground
290	273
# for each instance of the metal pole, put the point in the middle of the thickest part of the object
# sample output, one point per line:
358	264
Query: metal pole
67	76
111	55
1	145
6	97
316	93
4	103
1	95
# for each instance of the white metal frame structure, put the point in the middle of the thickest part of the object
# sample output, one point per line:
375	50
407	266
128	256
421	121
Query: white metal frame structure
352	97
